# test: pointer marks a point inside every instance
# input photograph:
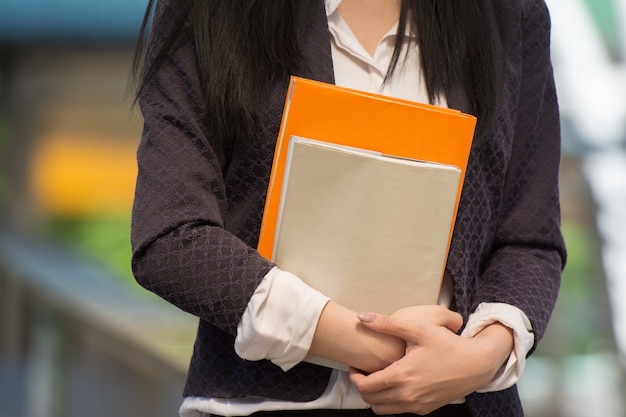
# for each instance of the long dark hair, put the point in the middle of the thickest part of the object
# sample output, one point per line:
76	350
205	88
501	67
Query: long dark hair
235	39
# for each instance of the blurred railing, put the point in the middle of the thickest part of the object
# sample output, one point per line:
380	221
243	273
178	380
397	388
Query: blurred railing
75	342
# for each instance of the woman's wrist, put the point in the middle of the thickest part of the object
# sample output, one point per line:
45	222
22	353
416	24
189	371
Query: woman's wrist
496	344
341	337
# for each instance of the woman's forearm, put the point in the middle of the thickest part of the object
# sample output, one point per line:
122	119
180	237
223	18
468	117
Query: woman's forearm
341	337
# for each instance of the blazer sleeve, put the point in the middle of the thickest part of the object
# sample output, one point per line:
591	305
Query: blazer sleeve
528	251
181	248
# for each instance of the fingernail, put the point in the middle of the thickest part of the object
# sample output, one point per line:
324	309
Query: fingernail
366	317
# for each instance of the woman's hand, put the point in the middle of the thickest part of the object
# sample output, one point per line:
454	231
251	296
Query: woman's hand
439	367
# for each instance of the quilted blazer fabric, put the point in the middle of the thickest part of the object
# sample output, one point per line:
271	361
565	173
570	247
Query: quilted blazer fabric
198	204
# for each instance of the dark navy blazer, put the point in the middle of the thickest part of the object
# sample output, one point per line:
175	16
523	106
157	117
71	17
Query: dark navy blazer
198	205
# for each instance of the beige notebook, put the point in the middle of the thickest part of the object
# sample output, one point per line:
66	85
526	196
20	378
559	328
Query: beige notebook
368	230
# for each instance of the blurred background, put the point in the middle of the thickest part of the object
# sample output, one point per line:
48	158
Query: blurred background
78	337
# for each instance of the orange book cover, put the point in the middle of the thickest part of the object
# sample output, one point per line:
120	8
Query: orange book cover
343	116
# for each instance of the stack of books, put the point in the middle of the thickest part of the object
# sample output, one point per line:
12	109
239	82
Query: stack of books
363	194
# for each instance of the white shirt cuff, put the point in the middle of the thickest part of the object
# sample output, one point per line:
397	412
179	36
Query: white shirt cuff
280	320
523	339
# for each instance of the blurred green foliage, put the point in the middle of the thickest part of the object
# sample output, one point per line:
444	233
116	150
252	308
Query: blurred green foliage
103	238
581	321
605	15
582	259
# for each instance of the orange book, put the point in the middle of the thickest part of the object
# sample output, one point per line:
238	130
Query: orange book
358	119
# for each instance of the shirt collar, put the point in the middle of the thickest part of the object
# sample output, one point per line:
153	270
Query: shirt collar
331	6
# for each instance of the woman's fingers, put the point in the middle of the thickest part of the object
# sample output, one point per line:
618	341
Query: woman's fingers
409	331
409	323
391	392
432	314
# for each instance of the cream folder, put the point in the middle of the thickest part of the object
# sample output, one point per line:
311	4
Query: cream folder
368	230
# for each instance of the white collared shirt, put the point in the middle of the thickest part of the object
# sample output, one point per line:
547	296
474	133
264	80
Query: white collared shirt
283	298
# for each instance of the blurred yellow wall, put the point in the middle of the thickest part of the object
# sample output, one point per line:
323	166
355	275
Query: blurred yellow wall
74	176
